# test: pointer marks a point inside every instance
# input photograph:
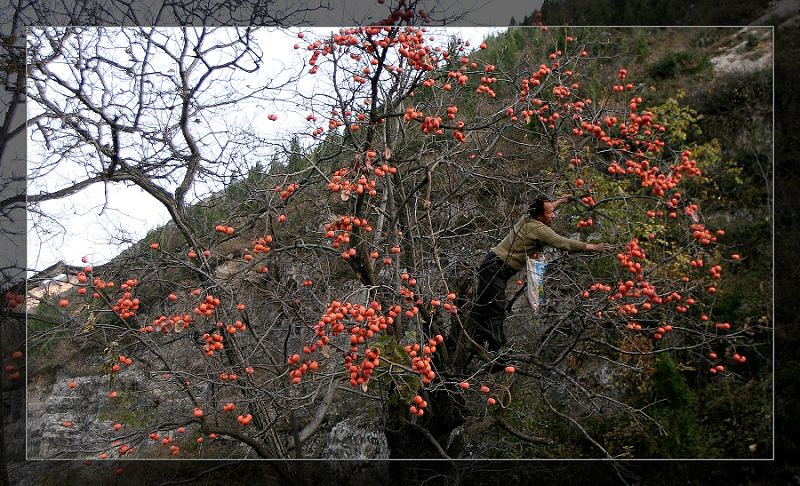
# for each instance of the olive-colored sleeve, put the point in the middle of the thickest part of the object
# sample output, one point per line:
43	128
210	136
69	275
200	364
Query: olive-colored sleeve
546	235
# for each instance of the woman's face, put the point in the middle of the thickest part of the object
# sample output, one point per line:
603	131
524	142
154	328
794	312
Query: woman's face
549	213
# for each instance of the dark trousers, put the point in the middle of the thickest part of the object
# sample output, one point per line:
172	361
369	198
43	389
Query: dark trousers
489	309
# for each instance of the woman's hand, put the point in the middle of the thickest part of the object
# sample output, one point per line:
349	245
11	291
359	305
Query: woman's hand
598	247
563	199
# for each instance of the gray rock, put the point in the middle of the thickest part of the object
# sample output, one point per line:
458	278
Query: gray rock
357	438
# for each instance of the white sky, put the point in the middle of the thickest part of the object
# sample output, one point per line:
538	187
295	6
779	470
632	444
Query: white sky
96	220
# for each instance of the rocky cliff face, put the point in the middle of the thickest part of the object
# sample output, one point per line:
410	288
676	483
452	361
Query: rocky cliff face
91	414
748	51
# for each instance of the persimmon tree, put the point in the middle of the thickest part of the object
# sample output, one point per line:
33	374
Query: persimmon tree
13	200
341	270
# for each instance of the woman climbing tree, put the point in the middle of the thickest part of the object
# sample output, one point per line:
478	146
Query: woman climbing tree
529	235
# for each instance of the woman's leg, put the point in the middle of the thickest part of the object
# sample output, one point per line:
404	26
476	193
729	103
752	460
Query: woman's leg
490	302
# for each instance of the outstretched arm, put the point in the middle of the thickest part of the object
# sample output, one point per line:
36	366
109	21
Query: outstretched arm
598	247
546	235
558	202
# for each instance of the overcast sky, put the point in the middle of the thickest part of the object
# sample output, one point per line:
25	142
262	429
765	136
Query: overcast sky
97	221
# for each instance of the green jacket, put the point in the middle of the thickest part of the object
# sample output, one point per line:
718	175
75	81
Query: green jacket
530	235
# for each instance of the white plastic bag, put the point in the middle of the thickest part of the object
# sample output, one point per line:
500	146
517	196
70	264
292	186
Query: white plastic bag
535	268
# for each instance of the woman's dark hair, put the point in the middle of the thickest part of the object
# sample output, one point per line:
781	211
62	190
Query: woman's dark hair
537	207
